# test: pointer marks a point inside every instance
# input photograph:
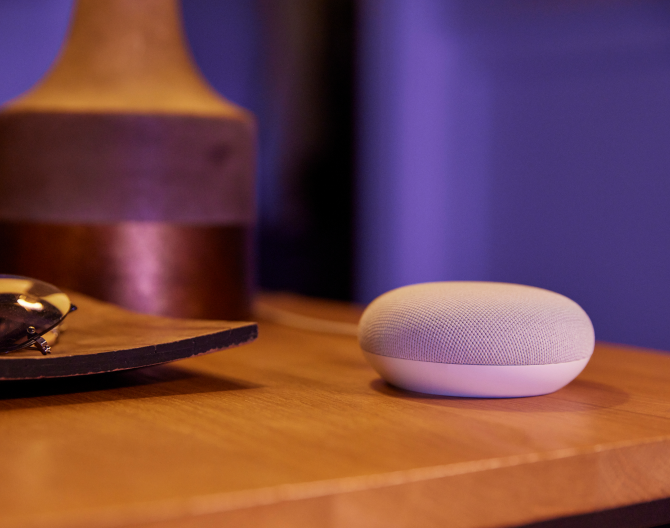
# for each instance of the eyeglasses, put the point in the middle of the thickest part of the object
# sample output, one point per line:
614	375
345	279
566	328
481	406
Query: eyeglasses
30	310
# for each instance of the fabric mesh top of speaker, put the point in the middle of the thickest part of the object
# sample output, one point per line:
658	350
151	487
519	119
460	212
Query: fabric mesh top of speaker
476	323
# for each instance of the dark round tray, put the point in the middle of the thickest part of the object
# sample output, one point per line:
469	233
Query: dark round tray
101	337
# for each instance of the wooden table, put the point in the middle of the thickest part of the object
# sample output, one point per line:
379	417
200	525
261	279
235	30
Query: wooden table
297	430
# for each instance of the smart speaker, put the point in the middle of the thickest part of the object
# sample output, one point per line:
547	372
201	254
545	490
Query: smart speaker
477	339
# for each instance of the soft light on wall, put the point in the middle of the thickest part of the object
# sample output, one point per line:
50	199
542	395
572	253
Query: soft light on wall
520	142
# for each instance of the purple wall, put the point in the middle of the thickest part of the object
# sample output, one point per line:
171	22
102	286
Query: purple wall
30	37
522	142
515	141
424	127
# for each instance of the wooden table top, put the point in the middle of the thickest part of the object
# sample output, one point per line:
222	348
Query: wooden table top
297	430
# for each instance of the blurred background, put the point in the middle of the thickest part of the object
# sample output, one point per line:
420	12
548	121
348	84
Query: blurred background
404	141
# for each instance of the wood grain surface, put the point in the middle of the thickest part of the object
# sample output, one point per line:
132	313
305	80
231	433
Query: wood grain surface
297	430
101	337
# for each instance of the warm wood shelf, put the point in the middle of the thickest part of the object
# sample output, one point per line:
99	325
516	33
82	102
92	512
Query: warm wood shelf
296	430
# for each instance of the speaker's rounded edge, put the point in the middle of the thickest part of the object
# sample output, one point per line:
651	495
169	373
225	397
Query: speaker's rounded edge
475	381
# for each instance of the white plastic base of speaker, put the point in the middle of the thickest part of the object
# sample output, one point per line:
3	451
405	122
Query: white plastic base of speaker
475	381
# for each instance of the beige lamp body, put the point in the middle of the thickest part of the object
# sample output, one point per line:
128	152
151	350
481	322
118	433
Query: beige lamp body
125	176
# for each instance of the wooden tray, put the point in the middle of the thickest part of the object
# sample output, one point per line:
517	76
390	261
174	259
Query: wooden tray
101	337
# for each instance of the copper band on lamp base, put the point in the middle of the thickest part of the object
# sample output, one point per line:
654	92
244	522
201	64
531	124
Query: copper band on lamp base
153	267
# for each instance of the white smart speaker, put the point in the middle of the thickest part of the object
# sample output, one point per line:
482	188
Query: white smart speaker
477	339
